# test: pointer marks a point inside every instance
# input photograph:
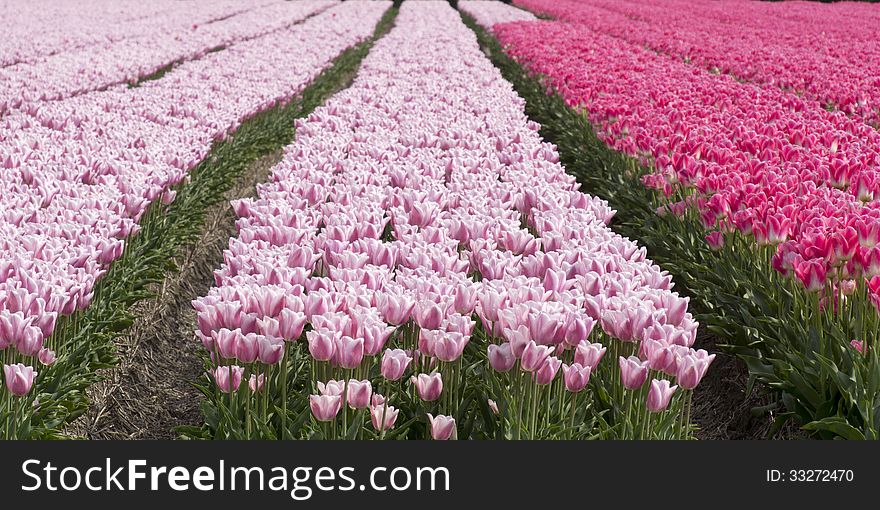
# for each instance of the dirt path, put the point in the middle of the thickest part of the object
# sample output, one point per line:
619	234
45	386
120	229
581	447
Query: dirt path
722	407
150	392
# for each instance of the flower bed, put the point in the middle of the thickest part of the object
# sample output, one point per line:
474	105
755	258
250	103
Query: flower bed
420	265
99	66
745	178
826	53
82	176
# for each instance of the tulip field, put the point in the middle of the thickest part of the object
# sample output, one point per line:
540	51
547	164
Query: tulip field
480	220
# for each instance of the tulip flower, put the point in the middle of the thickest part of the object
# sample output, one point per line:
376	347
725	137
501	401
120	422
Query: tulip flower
228	378
322	345
377	412
691	371
576	377
547	372
633	372
331	387
256	383
534	355
359	393
325	407
19	378
659	395
858	345
501	357
46	356
589	354
349	352
394	364
428	386
442	427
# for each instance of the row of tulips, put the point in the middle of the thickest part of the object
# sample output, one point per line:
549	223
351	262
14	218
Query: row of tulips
492	12
80	175
100	66
36	30
420	265
826	53
770	180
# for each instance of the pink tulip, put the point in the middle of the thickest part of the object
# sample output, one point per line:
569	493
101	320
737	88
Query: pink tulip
576	377
270	349
359	393
449	346
19	378
858	345
501	357
578	329
633	372
349	352
256	383
442	427
322	345
394	364
228	378
518	339
534	355
429	387
589	354
376	417
691	370
331	387
291	324
325	407
547	372
396	309
247	349
659	395
715	240
46	356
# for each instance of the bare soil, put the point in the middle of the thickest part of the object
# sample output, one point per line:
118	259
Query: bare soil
723	406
